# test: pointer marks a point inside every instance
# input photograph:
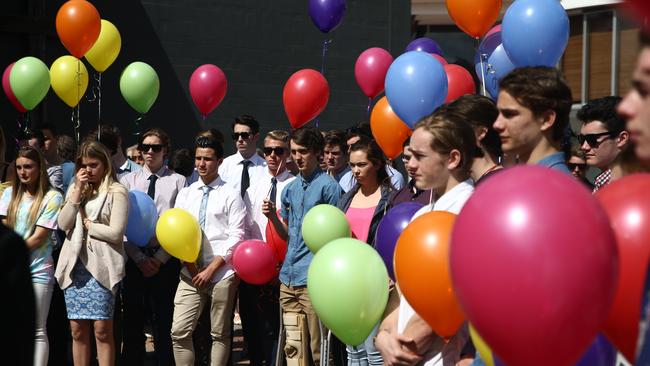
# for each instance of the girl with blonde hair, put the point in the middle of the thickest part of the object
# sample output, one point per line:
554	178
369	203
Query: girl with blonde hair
91	263
30	206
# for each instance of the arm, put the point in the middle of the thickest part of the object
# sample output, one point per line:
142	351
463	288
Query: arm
394	347
38	238
114	231
422	335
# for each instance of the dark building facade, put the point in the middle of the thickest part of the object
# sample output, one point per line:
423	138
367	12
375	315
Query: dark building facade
258	44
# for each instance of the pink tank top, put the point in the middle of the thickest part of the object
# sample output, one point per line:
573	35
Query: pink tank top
360	219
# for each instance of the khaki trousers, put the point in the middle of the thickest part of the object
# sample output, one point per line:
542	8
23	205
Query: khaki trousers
188	305
296	300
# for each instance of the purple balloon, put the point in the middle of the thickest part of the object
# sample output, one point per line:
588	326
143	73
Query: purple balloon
424	44
327	14
600	353
389	229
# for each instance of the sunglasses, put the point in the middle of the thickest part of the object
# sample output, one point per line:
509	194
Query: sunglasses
592	138
573	166
277	150
243	135
146	147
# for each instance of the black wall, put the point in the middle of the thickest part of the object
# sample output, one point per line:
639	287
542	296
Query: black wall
258	44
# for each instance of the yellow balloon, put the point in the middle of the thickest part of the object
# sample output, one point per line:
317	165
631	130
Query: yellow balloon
179	234
482	347
69	79
106	48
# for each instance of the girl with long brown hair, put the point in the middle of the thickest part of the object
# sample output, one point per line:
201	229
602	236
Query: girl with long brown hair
31	206
91	263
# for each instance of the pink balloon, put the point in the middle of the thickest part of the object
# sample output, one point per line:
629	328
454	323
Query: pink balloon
535	266
370	70
255	262
496	28
208	86
6	85
439	58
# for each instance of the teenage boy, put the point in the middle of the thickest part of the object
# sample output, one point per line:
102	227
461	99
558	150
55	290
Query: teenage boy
221	214
311	188
534	105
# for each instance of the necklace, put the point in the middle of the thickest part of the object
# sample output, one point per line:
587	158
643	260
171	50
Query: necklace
493	168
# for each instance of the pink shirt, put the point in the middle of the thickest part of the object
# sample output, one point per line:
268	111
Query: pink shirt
360	219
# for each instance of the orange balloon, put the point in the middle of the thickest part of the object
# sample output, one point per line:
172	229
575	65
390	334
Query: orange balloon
422	271
474	17
78	25
388	130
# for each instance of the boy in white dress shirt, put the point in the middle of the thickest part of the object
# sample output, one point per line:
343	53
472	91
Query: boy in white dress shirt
221	214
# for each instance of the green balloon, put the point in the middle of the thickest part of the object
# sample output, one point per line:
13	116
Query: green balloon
139	85
30	81
322	224
347	282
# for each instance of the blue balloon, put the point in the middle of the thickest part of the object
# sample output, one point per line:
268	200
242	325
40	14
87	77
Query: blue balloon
416	84
535	32
143	215
495	68
600	353
487	46
327	14
424	44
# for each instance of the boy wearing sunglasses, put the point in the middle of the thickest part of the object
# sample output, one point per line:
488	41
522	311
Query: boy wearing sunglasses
534	105
602	136
151	273
243	168
258	304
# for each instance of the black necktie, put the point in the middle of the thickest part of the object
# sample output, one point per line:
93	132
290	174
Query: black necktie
245	178
152	186
274	189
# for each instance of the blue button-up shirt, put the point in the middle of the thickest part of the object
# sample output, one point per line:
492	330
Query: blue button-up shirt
297	199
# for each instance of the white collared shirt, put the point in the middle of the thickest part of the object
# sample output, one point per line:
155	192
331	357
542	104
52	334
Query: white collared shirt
231	169
225	217
442	354
254	198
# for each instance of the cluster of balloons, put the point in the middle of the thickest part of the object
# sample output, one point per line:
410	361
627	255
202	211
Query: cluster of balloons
84	34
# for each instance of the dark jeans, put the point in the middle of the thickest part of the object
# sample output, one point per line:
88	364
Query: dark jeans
259	309
148	298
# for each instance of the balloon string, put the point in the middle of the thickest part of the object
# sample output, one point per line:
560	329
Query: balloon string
481	56
99	104
369	105
326	44
22	120
137	122
74	118
76	121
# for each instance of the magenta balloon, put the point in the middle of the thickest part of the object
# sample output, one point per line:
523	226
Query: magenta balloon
535	266
208	87
255	262
6	85
370	70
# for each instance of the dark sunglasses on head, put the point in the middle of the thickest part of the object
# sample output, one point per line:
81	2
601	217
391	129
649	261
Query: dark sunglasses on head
155	147
278	150
592	138
243	135
573	166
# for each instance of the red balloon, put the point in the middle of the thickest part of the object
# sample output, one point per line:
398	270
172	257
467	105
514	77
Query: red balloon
78	25
6	85
370	70
305	96
535	266
459	82
439	58
274	239
255	262
208	86
627	203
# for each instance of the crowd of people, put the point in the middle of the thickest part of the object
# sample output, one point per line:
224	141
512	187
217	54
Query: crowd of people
70	207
